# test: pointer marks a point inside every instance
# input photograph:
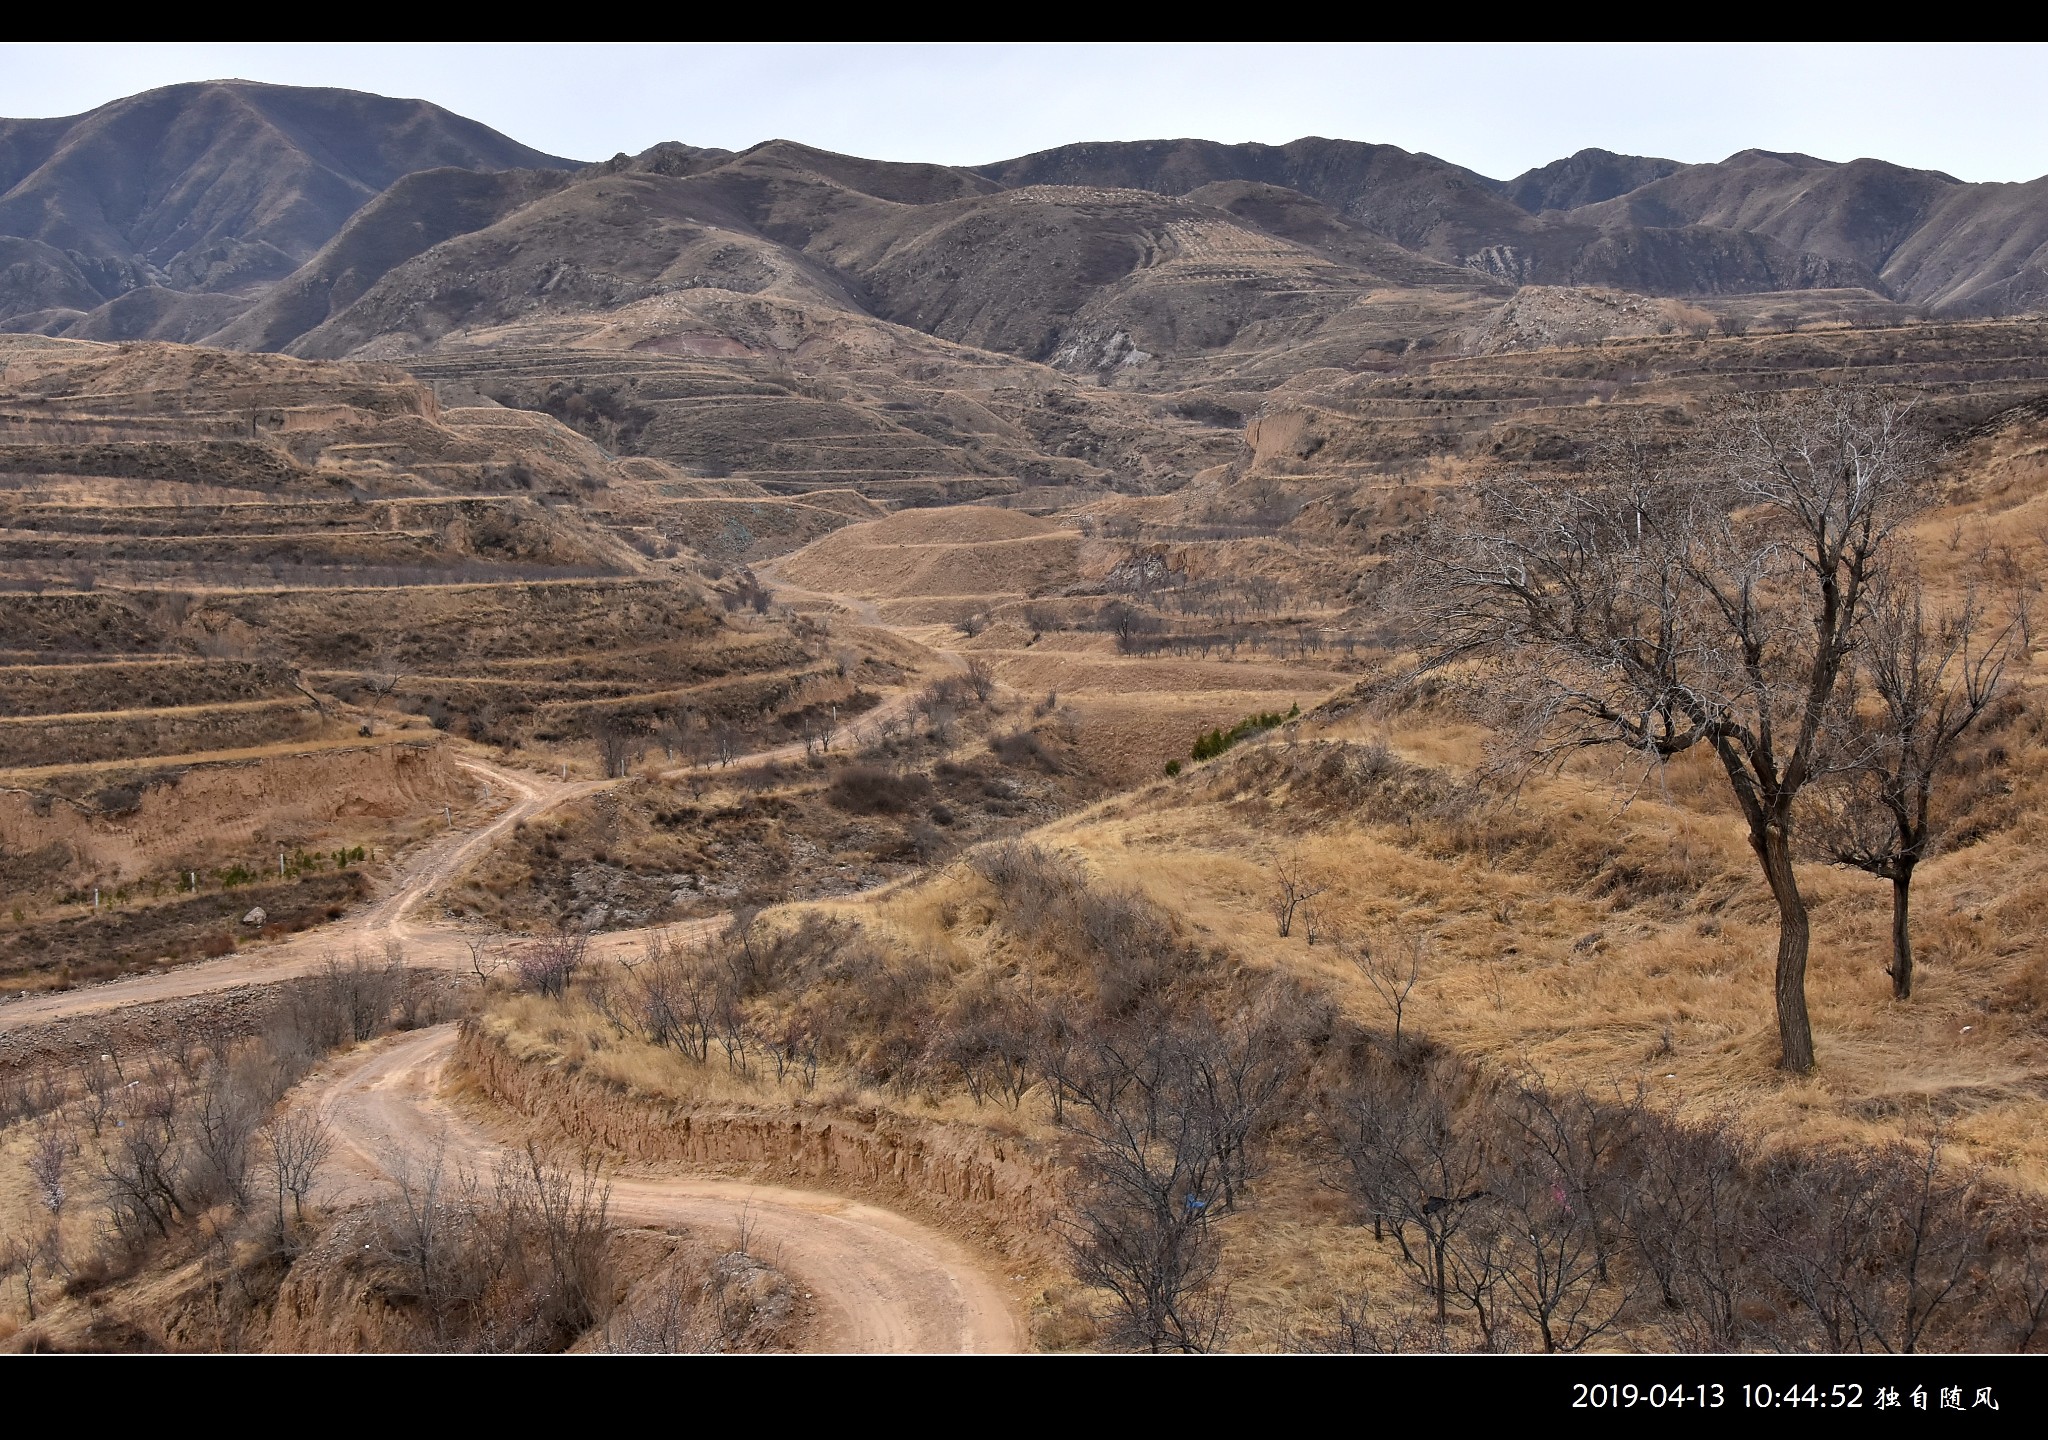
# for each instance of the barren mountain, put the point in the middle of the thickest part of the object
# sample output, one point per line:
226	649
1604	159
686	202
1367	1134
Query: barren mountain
1586	178
212	187
418	212
1453	214
1932	239
1084	277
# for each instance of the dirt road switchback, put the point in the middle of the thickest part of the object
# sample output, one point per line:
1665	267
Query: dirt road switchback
882	1283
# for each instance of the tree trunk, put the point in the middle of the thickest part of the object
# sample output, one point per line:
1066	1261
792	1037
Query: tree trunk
1437	1248
1902	936
1795	1031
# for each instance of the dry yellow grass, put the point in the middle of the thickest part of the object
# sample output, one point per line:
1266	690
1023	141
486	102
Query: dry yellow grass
1555	959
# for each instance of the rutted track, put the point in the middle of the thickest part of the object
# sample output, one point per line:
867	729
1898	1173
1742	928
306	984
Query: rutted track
882	1283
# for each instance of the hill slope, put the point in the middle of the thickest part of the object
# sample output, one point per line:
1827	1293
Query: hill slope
211	187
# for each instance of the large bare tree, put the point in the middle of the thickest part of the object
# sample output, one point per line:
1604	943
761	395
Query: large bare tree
1709	596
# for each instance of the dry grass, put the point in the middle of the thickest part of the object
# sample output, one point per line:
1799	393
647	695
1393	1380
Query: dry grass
1592	944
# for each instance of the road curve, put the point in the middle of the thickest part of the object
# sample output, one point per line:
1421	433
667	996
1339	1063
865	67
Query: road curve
882	1283
387	918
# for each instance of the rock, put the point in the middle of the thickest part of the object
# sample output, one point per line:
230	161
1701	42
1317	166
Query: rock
255	917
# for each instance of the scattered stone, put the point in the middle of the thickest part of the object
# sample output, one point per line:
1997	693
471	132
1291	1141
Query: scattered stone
255	917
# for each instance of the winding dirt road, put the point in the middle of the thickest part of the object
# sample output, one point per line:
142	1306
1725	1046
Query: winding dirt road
879	1281
882	1283
386	918
390	916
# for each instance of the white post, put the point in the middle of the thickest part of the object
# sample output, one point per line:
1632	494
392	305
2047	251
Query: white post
192	877
448	814
95	897
280	862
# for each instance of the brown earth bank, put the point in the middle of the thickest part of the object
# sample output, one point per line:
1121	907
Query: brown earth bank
1004	1194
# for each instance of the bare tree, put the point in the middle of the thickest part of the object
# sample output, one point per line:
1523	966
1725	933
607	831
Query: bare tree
1142	1225
102	1085
1690	1224
46	1174
1564	1217
223	1121
142	1171
1419	1175
571	1214
1295	884
725	744
1391	964
617	746
1663	605
384	675
2024	1296
18	1253
296	1144
981	678
486	955
1931	678
46	1168
1872	1250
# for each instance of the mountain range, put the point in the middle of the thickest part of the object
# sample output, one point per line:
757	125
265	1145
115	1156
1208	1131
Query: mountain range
330	223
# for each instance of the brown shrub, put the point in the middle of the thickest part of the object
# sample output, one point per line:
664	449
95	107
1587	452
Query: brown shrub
870	790
1024	747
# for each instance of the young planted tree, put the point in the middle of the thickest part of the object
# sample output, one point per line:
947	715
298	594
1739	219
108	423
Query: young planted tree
1929	679
1712	598
296	1144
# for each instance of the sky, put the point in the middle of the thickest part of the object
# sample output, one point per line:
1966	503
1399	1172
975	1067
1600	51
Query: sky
1970	110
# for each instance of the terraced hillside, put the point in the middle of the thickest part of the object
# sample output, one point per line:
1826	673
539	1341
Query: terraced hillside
256	608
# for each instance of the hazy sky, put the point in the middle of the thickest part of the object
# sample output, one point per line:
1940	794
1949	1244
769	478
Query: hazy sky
1972	110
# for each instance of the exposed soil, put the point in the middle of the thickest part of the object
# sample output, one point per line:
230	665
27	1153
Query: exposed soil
883	1283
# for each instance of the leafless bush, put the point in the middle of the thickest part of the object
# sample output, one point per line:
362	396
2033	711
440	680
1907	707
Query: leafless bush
871	790
1025	747
545	965
1877	1251
981	679
1028	880
345	1002
735	1303
514	1262
985	1041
